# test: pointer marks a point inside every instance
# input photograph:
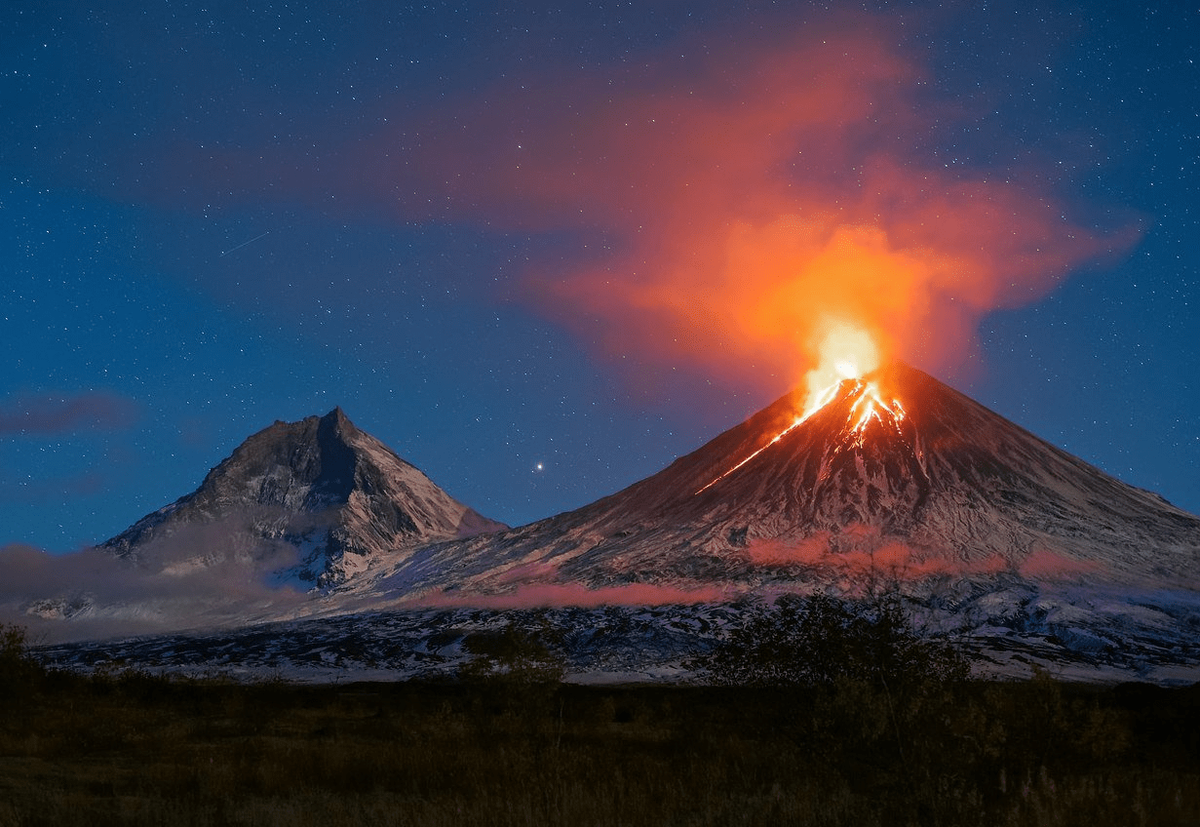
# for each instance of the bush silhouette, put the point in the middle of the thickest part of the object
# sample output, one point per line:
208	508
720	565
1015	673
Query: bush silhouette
515	656
871	691
20	672
820	641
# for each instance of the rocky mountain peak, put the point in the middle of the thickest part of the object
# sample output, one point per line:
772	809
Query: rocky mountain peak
338	420
338	498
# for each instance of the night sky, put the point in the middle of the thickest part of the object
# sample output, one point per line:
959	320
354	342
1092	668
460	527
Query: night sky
542	252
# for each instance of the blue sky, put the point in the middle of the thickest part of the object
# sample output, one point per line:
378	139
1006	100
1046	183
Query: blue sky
219	215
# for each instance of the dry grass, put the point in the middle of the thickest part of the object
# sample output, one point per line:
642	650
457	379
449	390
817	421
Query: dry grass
138	750
511	747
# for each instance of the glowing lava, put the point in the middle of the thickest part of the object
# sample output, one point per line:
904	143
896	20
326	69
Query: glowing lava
870	405
846	353
776	438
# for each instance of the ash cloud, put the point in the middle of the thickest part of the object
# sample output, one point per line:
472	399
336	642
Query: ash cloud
739	201
715	205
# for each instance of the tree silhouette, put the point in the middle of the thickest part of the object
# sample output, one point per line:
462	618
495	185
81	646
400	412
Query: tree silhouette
820	640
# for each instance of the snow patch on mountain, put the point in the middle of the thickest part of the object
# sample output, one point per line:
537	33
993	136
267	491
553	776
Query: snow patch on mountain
335	495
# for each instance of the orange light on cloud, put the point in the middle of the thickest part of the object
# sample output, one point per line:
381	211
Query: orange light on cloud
741	205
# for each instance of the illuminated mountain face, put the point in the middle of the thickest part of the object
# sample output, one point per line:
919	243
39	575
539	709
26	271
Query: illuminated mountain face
318	494
868	411
894	466
887	475
855	459
867	408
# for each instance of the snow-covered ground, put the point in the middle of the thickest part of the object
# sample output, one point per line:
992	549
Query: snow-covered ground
1102	642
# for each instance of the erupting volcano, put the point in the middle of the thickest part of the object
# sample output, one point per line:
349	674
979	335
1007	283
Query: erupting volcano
889	477
891	471
867	408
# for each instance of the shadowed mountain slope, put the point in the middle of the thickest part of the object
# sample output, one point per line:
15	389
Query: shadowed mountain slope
319	495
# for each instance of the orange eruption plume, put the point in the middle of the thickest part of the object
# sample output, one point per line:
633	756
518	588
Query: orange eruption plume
759	212
844	352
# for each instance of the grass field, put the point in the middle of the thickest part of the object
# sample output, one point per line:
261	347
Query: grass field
136	749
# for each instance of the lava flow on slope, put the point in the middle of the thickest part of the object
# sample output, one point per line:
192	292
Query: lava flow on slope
891	470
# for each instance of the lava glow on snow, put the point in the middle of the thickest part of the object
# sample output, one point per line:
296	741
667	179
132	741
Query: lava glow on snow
847	354
870	405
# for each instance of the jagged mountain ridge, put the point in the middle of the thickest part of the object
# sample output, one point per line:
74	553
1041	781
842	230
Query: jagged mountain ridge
896	464
333	495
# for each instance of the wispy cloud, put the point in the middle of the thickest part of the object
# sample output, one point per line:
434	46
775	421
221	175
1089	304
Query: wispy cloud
204	578
51	414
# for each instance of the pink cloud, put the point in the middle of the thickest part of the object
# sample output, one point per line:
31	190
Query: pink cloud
861	551
809	551
1044	564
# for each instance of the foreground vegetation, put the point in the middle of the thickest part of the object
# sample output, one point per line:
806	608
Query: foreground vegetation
503	747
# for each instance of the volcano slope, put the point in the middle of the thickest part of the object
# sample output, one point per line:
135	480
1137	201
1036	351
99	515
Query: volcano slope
896	476
895	481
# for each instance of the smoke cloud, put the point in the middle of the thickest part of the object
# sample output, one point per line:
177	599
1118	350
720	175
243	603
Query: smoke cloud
719	206
736	203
